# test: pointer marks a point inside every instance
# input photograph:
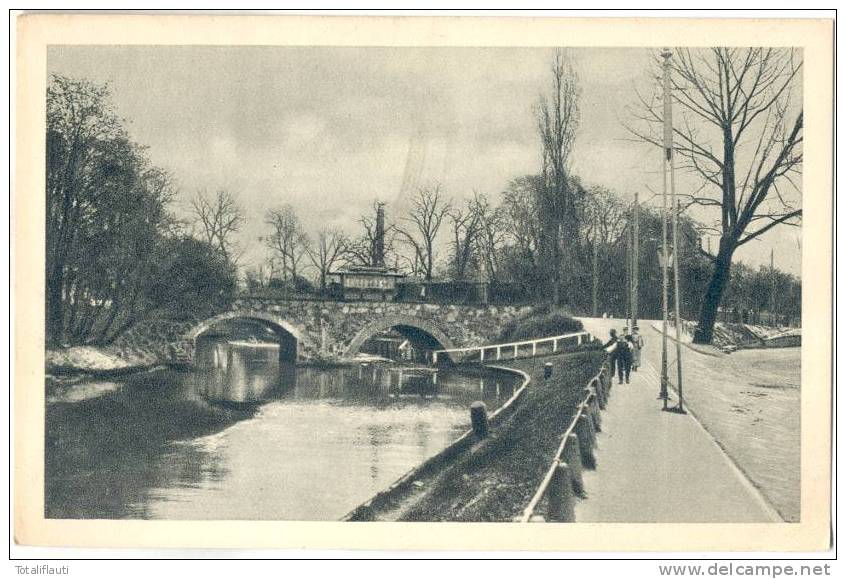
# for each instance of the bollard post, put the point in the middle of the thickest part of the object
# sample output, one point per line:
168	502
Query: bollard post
572	458
603	398
547	371
479	418
593	410
600	392
592	431
584	430
561	495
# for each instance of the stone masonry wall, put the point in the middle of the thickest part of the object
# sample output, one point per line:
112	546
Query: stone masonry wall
342	323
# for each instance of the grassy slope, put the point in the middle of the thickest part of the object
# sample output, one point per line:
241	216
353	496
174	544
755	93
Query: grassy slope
496	484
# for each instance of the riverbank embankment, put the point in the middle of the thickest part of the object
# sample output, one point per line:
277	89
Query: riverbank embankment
72	364
495	478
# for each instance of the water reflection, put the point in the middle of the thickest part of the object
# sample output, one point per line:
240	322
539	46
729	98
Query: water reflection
247	437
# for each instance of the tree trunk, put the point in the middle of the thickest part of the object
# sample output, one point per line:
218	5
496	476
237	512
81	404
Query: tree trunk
55	311
558	253
548	258
595	281
714	294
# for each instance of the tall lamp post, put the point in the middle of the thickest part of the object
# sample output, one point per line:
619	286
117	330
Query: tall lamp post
665	257
669	166
635	259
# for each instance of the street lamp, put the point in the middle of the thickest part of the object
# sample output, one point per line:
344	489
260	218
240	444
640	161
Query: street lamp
669	167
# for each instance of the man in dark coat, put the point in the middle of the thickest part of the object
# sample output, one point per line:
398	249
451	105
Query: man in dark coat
624	358
612	358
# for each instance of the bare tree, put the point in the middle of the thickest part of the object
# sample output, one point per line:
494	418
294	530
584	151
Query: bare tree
423	223
604	217
741	135
558	117
218	217
603	223
492	236
329	247
287	240
465	225
520	204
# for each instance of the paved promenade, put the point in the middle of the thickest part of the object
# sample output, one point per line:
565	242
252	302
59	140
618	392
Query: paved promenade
655	466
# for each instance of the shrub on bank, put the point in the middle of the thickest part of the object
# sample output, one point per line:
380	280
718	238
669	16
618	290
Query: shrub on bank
540	323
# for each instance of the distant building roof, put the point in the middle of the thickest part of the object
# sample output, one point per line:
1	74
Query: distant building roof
368	270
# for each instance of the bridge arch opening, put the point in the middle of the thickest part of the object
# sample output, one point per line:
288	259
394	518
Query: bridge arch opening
400	338
248	329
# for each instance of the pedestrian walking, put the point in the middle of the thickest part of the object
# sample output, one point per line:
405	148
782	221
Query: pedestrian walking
637	341
611	347
624	358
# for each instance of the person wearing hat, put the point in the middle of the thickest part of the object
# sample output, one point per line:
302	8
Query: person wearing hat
611	347
624	357
637	341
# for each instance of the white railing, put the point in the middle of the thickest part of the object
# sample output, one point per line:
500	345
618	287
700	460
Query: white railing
575	452
513	347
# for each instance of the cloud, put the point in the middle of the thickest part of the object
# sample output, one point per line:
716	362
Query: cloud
329	129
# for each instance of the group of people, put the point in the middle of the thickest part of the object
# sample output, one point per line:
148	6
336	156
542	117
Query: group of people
625	352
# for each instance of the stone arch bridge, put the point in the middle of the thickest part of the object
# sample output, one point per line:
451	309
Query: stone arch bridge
309	329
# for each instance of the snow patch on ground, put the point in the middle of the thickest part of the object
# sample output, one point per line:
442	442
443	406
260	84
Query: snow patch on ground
686	338
92	359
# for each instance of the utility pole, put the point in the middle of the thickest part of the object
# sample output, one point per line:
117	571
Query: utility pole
666	156
595	288
668	146
629	273
635	261
772	288
677	286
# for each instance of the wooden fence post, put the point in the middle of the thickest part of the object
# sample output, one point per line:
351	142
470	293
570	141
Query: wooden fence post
479	418
593	409
572	458
602	392
561	495
584	429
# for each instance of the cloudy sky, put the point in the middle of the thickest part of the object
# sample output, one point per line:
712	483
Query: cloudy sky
330	129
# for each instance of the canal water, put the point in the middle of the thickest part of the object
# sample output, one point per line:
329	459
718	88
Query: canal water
245	437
